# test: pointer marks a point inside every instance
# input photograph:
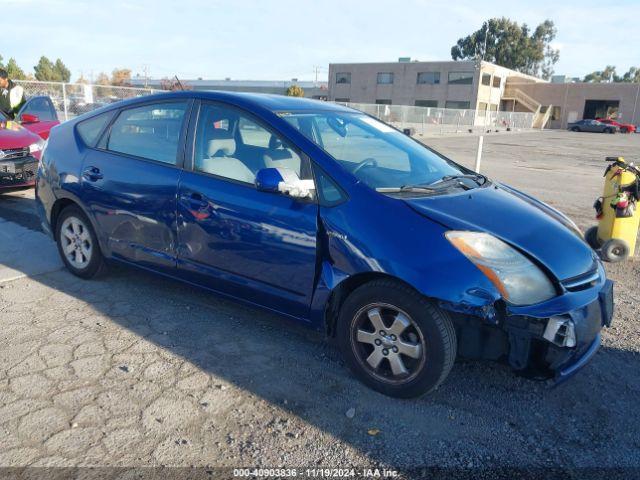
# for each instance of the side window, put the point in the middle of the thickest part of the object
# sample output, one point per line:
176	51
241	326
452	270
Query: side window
90	129
253	134
329	193
151	131
237	153
42	107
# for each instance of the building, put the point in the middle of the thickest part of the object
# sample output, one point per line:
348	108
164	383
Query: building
463	85
482	86
317	90
569	102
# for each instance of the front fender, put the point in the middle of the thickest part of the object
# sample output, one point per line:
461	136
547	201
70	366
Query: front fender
376	234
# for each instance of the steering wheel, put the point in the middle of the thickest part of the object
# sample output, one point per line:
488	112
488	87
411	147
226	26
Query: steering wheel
367	161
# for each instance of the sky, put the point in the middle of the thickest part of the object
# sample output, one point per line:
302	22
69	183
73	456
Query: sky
281	40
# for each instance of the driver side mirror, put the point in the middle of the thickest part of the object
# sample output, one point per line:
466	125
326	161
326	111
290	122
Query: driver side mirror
285	181
29	118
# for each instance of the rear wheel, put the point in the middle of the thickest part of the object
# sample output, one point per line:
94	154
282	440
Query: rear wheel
395	340
591	236
77	243
615	250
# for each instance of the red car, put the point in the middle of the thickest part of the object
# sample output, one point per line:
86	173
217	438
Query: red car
624	127
22	141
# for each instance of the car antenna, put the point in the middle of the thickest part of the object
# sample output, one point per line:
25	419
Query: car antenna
179	83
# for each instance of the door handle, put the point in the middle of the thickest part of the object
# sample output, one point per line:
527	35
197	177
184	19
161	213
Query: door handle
196	200
92	174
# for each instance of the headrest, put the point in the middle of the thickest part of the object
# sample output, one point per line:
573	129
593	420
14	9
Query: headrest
221	145
274	143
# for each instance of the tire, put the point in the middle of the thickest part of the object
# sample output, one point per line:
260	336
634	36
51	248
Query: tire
615	250
414	333
591	236
575	129
77	243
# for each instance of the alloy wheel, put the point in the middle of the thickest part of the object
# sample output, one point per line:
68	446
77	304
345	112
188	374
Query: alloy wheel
387	343
76	242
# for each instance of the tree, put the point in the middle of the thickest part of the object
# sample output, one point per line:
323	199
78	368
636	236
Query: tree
121	77
609	75
173	84
62	71
506	43
45	70
14	71
632	76
602	76
295	91
102	79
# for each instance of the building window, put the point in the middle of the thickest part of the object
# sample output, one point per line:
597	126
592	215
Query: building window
482	109
427	103
385	78
343	77
556	113
486	79
457	104
382	101
497	81
428	78
342	100
461	78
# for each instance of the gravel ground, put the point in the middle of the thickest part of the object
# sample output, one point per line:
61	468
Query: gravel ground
136	370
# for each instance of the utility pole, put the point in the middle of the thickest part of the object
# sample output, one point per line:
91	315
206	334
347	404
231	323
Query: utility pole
145	71
316	70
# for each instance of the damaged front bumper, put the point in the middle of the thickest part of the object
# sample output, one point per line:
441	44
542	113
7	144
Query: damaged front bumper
18	172
550	340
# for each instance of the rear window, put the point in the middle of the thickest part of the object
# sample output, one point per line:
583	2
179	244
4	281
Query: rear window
151	131
90	129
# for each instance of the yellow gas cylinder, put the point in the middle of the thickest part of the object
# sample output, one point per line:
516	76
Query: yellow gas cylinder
616	234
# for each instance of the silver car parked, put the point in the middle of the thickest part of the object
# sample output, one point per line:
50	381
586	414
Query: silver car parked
592	126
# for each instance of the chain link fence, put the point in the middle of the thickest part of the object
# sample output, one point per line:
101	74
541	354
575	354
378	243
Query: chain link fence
432	120
73	99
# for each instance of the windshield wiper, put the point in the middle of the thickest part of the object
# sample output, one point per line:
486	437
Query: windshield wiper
477	177
407	188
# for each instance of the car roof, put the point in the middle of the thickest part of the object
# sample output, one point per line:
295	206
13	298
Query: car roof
251	101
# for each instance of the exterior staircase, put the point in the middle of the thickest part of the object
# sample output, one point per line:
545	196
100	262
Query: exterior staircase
540	117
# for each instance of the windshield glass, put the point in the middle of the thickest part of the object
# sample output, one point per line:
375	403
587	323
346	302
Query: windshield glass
377	154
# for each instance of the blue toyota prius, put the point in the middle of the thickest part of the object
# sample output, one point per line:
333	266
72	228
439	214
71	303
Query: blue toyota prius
335	219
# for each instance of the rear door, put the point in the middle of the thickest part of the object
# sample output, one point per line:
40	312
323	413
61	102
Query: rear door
233	238
130	182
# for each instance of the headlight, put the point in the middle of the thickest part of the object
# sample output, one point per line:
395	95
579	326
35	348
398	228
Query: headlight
518	280
36	147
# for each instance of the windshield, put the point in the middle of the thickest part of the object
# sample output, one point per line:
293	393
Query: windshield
375	153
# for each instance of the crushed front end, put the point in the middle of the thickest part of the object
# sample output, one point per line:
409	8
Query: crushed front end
549	340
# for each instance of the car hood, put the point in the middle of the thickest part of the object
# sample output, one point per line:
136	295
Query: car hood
14	135
540	231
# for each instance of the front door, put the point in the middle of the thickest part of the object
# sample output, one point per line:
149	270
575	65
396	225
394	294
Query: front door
42	108
130	183
233	238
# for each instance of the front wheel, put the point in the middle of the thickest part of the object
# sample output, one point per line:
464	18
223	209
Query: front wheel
77	243
394	340
575	129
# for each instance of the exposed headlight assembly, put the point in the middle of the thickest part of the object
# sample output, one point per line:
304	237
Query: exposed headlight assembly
519	281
